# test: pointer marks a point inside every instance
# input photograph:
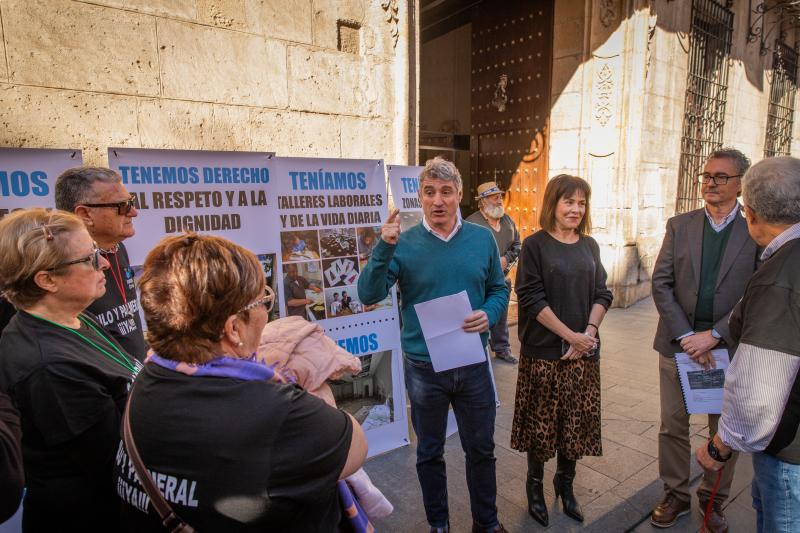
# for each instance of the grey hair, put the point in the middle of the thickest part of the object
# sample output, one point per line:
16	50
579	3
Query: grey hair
440	168
74	186
741	161
772	190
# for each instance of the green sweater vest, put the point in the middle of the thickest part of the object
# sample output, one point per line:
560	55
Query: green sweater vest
713	249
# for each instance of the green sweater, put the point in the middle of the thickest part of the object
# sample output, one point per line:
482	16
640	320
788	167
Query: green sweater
713	249
425	267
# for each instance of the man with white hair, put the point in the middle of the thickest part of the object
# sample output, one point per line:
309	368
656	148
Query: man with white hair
491	214
761	406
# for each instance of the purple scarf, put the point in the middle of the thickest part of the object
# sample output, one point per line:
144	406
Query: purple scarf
223	366
252	370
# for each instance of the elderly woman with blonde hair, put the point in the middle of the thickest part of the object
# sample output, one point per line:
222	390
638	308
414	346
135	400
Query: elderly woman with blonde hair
230	446
65	374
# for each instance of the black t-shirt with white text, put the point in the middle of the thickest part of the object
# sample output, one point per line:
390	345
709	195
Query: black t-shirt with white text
70	397
119	311
232	455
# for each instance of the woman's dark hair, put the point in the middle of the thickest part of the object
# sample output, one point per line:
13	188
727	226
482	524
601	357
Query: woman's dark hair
564	186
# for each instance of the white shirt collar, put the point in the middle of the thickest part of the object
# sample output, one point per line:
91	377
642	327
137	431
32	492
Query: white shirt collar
789	234
452	234
725	221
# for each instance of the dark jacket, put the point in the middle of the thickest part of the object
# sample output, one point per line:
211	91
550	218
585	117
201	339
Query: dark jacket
676	278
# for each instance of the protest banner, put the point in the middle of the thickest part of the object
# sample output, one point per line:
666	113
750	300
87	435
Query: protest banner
223	193
329	214
404	186
28	176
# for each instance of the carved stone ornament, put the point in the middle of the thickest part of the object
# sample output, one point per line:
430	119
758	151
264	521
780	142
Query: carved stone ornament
393	18
608	12
605	88
500	98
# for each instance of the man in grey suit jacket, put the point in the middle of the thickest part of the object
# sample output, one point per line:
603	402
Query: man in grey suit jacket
701	272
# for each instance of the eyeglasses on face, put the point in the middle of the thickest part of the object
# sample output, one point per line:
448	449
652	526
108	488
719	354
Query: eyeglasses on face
93	258
123	208
718	179
268	300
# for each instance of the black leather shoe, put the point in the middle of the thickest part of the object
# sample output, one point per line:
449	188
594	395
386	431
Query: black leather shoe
562	484
534	488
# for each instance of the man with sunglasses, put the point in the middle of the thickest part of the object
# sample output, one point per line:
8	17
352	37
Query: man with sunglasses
98	197
705	262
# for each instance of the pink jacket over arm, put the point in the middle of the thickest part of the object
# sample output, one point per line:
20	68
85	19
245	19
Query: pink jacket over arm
303	351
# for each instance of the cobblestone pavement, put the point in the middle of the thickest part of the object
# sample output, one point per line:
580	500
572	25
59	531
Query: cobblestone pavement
617	491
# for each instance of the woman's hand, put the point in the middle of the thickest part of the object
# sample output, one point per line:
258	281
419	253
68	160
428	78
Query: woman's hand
572	354
582	342
579	345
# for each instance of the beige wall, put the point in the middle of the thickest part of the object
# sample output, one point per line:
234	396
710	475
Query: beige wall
262	75
619	84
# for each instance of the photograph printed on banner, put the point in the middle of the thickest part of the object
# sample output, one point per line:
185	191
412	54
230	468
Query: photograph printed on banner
409	219
268	266
343	301
299	245
386	303
367	239
302	288
337	242
368	395
340	271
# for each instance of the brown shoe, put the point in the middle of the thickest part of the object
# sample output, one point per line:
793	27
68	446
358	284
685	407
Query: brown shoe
668	511
717	523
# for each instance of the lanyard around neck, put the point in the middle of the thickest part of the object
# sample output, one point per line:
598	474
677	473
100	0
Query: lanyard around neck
122	360
118	280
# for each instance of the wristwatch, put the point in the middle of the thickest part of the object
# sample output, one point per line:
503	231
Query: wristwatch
713	451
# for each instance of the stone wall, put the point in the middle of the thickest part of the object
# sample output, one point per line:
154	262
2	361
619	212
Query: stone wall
619	88
321	78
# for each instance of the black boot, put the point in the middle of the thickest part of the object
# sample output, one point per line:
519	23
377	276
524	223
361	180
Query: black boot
562	482
536	506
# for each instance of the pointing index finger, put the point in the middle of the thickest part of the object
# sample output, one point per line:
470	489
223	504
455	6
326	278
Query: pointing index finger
393	216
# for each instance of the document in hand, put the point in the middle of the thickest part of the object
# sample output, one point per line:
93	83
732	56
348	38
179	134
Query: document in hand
702	389
442	320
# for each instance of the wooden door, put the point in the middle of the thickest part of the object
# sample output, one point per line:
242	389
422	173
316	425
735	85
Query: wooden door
511	64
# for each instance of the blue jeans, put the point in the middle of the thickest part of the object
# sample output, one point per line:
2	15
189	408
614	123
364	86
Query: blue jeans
776	494
469	390
498	334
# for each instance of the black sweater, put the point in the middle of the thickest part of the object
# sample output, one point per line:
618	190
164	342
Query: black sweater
11	478
569	278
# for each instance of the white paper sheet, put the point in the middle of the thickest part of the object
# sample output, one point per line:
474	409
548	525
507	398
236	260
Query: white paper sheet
702	389
449	346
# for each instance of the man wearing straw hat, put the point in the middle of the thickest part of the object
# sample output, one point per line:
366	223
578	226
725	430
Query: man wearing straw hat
491	214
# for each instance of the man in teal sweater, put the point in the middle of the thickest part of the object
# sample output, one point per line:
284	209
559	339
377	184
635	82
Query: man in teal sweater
438	257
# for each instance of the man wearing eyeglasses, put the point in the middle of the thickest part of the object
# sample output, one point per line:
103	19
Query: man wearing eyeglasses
704	264
98	197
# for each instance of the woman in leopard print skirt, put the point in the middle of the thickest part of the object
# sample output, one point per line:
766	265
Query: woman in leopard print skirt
562	295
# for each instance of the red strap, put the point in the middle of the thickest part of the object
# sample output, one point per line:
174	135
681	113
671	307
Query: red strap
119	281
704	528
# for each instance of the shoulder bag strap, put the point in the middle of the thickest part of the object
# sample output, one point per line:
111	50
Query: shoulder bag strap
171	521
